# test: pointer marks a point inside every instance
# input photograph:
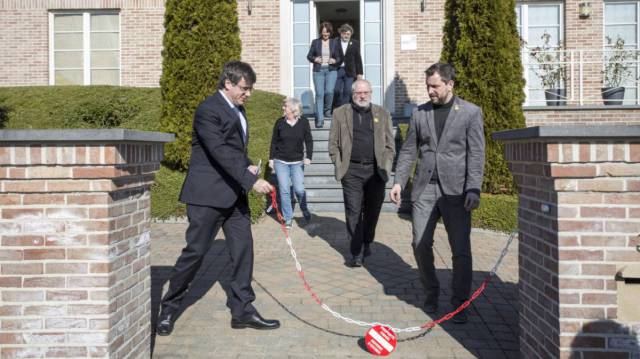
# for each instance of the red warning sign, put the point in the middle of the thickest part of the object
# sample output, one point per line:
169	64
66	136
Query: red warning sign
380	340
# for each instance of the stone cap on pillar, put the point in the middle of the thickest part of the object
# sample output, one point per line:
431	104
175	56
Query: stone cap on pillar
569	131
76	135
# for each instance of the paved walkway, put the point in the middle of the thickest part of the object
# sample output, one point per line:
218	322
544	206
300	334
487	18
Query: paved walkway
386	289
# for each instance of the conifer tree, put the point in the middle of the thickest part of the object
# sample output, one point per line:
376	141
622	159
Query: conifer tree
481	41
200	37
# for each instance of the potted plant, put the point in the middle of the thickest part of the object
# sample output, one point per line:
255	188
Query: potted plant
616	69
551	71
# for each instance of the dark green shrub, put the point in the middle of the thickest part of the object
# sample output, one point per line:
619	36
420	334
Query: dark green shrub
101	113
496	212
481	41
200	37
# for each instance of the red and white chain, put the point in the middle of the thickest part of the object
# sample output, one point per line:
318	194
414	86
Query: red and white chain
425	326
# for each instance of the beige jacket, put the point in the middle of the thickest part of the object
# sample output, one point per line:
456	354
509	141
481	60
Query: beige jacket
341	140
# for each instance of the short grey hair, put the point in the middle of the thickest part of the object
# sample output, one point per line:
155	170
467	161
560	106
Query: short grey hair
294	105
345	27
356	82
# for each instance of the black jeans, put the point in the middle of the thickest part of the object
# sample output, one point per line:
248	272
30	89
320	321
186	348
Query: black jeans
363	192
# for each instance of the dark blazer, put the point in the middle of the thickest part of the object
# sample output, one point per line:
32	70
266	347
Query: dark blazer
315	50
218	172
351	59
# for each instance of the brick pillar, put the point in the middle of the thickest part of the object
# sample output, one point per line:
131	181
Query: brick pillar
579	222
74	242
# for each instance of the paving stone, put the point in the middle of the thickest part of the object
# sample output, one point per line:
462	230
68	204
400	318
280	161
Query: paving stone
386	289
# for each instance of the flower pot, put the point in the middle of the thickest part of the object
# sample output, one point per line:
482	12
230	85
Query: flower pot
556	97
613	95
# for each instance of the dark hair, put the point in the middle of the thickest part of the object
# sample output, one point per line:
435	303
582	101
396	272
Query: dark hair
345	27
234	71
326	25
447	72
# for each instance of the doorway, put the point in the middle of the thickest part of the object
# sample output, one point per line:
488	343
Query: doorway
338	13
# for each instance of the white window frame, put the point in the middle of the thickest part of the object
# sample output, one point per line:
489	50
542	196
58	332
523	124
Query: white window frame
86	43
524	26
637	23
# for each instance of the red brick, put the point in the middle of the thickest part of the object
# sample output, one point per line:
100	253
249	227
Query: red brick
622	198
20	155
22	268
26	352
67	213
622	256
94	155
94	253
580	255
88	309
574	283
65	323
99	213
89	198
67	295
585	152
573	171
603	241
36	254
44	282
44	310
95	172
65	240
68	186
62	352
617	170
10	199
579	226
582	313
10	310
81	154
22	296
22	213
634	152
49	172
580	198
11	338
24	186
623	227
601	185
43	199
23	240
10	282
65	268
633	185
99	267
11	255
89	282
5	155
599	299
602	212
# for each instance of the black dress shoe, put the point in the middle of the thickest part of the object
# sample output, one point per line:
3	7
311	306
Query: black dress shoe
165	323
255	321
354	262
461	317
431	306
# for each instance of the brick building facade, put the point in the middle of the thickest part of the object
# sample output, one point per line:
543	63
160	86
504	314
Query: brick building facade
400	38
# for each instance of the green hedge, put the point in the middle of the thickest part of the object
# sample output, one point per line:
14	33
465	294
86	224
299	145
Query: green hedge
498	212
134	108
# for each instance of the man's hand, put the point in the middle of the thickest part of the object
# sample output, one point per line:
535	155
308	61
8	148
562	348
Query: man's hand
307	161
471	201
262	186
394	194
332	61
318	60
253	169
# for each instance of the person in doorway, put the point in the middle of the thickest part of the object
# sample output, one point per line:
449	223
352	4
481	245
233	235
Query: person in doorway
290	138
215	191
351	67
326	57
362	148
447	135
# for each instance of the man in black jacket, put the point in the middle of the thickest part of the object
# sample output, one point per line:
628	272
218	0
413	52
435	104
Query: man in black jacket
215	191
351	67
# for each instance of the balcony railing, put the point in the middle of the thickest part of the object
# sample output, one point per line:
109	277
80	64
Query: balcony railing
579	76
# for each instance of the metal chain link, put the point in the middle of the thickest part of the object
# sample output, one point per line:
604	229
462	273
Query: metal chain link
348	320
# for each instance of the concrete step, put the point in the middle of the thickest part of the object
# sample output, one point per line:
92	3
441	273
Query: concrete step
320	155
339	207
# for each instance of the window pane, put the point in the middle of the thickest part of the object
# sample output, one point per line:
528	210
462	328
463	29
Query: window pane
105	41
67	22
620	13
373	75
67	42
544	15
535	36
300	55
110	59
376	96
372	11
68	59
301	11
301	34
372	32
105	22
626	32
69	77
105	77
372	54
630	96
301	77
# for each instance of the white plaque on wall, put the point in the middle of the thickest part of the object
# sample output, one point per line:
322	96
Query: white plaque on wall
408	42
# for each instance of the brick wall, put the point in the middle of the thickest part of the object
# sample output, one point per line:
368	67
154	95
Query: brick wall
74	248
579	224
24	38
571	116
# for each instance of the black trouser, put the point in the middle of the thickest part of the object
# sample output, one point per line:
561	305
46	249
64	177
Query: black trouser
204	224
427	209
363	192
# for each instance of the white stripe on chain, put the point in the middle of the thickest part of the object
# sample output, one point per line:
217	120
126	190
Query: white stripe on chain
326	307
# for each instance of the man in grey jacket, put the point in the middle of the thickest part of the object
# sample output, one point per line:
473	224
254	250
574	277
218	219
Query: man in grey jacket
362	147
447	135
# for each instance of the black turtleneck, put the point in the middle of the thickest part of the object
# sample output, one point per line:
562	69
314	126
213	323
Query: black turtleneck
362	148
440	113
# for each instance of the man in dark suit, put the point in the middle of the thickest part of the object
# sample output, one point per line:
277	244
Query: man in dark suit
447	137
351	67
215	191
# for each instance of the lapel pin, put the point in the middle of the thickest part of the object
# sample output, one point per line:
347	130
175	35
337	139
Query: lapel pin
375	119
456	107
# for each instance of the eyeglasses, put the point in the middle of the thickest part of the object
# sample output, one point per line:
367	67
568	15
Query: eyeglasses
362	93
244	88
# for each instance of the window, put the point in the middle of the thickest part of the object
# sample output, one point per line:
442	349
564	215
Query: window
533	21
84	48
621	21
